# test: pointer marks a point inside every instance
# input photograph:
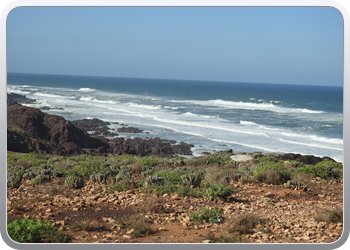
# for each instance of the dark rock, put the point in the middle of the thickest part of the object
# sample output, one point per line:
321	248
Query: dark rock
97	126
305	159
129	130
13	99
168	141
30	129
48	108
90	124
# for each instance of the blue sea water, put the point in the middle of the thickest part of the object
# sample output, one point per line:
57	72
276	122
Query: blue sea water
213	116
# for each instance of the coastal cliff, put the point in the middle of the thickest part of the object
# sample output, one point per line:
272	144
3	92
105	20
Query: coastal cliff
30	129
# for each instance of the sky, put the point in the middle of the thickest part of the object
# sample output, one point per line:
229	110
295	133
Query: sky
285	45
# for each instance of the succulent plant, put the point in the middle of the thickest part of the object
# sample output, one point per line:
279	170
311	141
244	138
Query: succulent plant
98	177
123	175
57	174
29	175
73	181
14	181
225	179
296	185
148	171
45	172
153	180
40	179
192	179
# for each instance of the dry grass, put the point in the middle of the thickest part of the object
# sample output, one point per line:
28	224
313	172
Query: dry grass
153	205
302	177
139	223
244	223
269	177
331	216
135	168
89	225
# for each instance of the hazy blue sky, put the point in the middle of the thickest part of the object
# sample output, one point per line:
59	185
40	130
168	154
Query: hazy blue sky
294	45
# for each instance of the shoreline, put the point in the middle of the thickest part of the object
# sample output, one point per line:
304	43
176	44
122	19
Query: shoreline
98	128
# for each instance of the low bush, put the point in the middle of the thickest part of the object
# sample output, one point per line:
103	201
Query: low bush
187	191
139	224
14	181
170	175
265	159
153	205
273	173
331	216
73	181
30	230
224	238
323	169
215	191
213	215
244	223
89	225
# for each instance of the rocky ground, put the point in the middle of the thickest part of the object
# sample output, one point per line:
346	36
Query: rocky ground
91	215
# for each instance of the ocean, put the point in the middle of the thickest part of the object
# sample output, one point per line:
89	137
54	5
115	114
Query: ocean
213	116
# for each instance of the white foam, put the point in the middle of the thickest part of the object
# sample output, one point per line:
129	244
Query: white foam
53	95
311	144
168	107
86	90
247	123
17	91
86	98
250	106
314	137
144	106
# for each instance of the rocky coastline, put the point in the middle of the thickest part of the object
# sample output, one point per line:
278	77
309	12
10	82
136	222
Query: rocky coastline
30	129
99	190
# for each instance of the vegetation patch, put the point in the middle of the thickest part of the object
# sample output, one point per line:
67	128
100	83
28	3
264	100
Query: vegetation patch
215	191
244	223
323	169
213	215
30	230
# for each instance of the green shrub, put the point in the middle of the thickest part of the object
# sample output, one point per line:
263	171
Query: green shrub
323	169
14	181
274	173
32	156
170	175
212	215
266	159
40	179
92	167
192	179
215	191
30	230
213	160
187	191
148	161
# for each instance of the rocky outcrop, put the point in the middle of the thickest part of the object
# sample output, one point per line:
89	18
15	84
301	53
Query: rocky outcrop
30	129
129	130
306	159
13	99
96	126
